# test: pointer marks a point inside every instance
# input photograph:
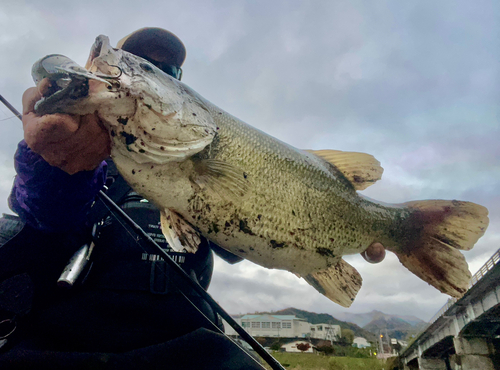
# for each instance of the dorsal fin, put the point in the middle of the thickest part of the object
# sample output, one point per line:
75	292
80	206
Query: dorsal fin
361	169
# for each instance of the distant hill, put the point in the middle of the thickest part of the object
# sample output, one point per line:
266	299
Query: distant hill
363	319
396	326
368	325
324	318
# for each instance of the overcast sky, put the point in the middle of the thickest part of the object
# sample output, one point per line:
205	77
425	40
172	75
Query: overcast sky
414	83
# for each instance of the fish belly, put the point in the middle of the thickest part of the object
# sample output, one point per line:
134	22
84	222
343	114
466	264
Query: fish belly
289	218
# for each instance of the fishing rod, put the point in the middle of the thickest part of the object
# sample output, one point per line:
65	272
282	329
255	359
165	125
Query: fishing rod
116	210
11	108
197	287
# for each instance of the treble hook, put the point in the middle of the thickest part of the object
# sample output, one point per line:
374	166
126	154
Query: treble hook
111	77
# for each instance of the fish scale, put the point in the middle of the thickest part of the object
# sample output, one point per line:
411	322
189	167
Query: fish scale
259	198
273	165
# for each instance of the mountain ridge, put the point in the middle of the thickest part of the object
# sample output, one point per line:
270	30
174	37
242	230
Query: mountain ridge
368	325
363	319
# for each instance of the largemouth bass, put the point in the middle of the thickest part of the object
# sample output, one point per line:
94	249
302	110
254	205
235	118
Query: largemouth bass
255	196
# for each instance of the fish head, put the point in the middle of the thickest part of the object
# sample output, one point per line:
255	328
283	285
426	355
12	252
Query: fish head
151	117
75	89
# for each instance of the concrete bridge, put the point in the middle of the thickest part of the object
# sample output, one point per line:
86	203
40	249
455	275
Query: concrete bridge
465	333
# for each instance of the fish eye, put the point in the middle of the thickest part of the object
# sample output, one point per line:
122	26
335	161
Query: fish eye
146	67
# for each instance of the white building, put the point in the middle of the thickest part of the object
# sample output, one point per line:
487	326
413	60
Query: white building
288	326
292	347
403	343
360	342
325	331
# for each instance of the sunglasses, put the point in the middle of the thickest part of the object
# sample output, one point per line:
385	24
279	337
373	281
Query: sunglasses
175	72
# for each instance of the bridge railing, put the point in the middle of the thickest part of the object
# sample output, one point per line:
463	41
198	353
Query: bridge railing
451	301
486	267
477	276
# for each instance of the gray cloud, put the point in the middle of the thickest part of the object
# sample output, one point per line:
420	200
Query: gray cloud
387	286
414	84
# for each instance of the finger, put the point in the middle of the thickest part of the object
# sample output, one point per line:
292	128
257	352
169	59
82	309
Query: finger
40	131
93	141
82	151
57	127
78	158
44	87
30	97
375	253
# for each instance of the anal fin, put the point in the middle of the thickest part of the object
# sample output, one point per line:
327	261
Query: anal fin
178	232
339	283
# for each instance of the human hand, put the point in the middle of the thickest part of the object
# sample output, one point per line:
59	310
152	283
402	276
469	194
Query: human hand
375	253
72	143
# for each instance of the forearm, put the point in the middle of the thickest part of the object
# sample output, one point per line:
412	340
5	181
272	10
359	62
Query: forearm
48	198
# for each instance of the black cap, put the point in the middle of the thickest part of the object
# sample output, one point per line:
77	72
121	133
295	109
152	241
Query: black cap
155	44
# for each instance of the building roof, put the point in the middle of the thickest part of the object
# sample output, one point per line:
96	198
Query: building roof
279	317
360	338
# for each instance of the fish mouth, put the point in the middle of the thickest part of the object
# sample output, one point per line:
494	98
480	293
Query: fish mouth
67	82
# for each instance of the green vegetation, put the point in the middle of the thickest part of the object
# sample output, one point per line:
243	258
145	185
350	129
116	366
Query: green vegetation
303	361
346	351
277	345
347	336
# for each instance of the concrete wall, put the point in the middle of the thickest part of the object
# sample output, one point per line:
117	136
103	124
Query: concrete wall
320	331
473	353
431	364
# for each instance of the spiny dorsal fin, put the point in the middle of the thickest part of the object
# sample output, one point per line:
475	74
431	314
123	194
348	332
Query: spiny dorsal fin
361	169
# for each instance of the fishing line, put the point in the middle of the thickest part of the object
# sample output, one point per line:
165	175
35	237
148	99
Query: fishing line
11	107
2	109
220	331
6	119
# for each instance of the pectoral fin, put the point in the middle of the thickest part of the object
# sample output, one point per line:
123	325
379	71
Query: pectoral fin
223	178
361	169
339	283
179	233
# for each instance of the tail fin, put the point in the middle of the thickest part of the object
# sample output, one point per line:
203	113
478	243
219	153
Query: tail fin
433	233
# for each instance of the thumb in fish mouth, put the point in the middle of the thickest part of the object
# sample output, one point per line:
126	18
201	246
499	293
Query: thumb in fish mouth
375	253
